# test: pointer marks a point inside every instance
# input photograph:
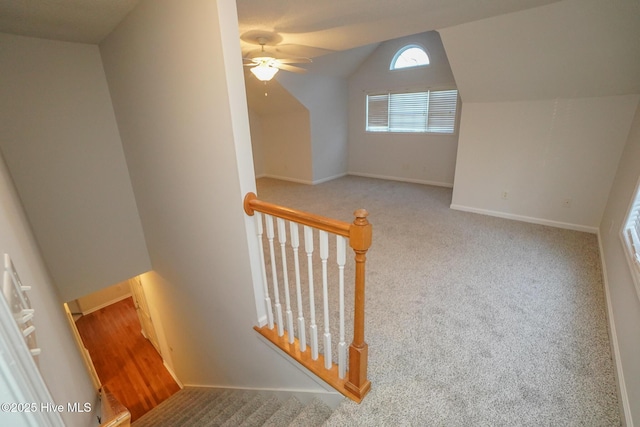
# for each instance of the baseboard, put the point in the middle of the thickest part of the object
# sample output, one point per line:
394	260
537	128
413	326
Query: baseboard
402	179
287	178
541	221
173	374
615	349
302	181
106	304
262	320
329	178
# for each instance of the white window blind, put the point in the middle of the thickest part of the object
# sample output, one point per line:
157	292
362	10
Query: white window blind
430	111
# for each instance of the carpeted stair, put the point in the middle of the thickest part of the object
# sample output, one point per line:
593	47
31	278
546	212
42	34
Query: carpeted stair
198	407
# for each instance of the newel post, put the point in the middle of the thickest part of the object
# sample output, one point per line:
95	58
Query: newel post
360	241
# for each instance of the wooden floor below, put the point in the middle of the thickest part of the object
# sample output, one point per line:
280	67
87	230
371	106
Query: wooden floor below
125	361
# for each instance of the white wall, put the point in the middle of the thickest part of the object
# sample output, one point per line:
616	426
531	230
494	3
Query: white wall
325	98
542	153
257	144
286	146
175	76
567	49
280	131
421	158
624	302
104	297
61	143
60	364
549	94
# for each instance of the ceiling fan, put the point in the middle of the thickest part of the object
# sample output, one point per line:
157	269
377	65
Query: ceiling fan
264	65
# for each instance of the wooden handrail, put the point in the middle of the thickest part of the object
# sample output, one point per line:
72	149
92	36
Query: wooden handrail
251	204
359	233
114	413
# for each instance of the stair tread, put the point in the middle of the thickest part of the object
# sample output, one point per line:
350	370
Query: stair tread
209	406
231	406
199	407
163	415
288	411
262	414
315	413
245	411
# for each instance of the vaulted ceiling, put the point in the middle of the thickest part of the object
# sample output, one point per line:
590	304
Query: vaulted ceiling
330	25
548	47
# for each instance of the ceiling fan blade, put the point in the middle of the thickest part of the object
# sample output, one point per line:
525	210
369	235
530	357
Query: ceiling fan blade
299	50
295	61
291	68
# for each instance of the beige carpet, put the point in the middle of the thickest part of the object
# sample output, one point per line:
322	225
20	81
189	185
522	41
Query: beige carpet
471	320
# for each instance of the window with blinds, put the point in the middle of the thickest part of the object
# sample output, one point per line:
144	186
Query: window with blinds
430	111
631	238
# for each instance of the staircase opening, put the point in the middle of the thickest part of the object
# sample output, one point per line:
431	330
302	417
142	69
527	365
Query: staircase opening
116	335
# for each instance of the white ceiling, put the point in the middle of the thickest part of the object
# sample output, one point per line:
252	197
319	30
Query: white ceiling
593	38
83	21
337	25
328	25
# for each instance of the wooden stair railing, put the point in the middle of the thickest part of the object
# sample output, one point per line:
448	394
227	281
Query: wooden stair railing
354	383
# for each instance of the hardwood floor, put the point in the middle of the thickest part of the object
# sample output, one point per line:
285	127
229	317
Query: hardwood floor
125	361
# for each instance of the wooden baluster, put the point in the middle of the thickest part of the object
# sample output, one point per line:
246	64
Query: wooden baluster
341	255
313	328
274	275
282	239
265	284
324	255
360	241
295	244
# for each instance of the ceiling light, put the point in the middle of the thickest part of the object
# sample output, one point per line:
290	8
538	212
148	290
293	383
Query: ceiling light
264	72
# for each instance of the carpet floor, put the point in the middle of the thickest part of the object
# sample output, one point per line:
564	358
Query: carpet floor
471	320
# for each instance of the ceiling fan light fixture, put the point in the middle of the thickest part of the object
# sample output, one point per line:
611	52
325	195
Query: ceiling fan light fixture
264	72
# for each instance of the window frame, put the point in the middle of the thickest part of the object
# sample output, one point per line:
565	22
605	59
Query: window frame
630	237
429	91
403	49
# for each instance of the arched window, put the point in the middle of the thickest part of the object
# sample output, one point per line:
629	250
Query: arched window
409	56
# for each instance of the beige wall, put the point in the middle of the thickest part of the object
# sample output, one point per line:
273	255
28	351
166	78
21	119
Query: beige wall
104	297
175	76
61	143
257	144
546	113
60	363
325	99
287	146
423	158
623	300
542	153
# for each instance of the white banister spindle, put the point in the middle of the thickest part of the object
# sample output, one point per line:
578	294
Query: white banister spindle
282	239
313	328
341	255
265	284
324	255
15	294
274	274
295	244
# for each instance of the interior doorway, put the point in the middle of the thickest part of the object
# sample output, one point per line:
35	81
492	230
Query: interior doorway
121	346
